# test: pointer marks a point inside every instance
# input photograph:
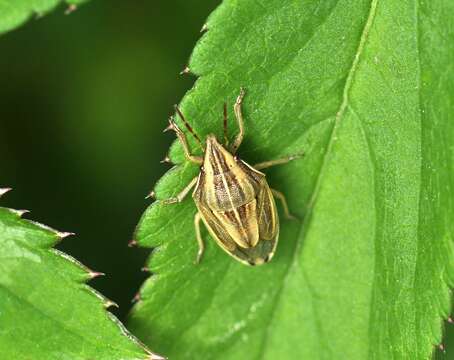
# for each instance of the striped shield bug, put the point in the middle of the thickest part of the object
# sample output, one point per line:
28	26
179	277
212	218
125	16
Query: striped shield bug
233	198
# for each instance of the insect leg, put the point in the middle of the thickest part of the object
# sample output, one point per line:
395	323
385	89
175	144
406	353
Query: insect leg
179	198
189	127
267	164
239	117
184	142
198	234
283	200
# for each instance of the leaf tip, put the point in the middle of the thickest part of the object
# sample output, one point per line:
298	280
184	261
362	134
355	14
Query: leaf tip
20	213
3	191
151	195
109	303
132	243
70	9
95	274
185	71
137	297
64	234
166	160
155	357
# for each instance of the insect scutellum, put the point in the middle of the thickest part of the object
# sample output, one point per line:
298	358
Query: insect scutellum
233	198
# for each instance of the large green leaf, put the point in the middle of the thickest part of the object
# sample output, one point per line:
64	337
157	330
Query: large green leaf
366	90
15	12
46	309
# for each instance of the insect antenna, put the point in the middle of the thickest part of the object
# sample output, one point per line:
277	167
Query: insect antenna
226	138
189	127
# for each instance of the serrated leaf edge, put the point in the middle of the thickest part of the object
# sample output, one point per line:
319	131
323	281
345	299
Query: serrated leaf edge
107	303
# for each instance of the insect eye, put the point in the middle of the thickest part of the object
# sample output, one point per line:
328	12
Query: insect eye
202	168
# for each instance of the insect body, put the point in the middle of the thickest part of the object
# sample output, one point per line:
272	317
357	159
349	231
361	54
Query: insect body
233	198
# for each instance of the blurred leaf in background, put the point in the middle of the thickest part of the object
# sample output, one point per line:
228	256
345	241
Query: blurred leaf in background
14	13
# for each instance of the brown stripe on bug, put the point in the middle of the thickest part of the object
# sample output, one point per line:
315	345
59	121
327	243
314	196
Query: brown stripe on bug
242	224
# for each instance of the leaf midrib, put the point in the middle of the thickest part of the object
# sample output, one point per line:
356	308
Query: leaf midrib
307	218
418	48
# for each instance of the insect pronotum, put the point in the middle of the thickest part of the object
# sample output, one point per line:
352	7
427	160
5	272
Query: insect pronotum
233	198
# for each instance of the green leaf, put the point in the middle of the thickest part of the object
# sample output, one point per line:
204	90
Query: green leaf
46	309
365	89
14	13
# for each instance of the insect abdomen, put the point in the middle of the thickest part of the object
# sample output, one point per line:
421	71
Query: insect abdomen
241	224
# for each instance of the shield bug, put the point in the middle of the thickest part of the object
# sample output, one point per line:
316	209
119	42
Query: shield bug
233	198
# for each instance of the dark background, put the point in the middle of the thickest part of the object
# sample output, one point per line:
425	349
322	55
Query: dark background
83	101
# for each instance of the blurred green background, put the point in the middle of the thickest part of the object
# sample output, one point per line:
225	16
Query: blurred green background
83	101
